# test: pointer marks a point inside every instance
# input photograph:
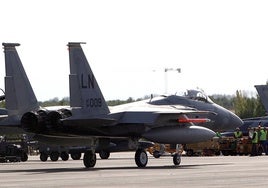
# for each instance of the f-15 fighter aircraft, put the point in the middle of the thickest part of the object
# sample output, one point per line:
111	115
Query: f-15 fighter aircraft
91	117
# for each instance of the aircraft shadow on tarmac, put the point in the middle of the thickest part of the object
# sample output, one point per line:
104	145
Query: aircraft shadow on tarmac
59	170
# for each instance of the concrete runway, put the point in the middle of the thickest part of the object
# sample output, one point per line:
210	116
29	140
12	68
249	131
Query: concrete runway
121	171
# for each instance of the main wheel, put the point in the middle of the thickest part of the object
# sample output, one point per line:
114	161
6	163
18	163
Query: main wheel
177	159
43	156
75	156
89	159
64	156
54	156
104	154
24	157
141	158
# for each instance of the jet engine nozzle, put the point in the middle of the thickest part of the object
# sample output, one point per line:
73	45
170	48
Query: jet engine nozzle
44	121
54	118
34	122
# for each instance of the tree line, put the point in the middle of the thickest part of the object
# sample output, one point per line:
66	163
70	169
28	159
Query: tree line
240	103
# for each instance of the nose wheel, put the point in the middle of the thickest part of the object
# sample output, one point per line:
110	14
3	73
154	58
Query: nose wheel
176	159
141	158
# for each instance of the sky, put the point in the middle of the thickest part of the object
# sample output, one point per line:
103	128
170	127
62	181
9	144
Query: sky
220	46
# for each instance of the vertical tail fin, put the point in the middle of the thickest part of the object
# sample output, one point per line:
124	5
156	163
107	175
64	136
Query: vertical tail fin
85	94
20	97
263	93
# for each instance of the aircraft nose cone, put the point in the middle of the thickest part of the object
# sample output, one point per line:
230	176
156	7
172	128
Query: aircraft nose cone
234	121
226	120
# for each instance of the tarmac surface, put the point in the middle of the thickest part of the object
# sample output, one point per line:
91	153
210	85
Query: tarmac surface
120	171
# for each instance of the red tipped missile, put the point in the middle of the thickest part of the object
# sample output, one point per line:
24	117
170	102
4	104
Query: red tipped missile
193	120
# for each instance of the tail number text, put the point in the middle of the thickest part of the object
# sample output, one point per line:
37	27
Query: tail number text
94	102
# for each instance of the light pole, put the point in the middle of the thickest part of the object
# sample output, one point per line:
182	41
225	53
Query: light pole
166	79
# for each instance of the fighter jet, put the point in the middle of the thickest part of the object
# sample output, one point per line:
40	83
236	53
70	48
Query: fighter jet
263	93
43	123
24	111
144	119
249	123
263	121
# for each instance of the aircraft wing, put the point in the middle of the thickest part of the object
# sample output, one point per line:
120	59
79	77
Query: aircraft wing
157	119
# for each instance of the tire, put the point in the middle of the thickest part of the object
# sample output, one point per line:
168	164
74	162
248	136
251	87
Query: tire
43	156
24	157
76	156
104	154
190	152
64	156
217	153
141	158
54	156
225	152
89	159
177	159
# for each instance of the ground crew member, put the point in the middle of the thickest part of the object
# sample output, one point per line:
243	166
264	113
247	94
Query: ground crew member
255	139
238	133
263	140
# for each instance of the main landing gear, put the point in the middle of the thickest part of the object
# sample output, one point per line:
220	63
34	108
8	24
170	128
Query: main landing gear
89	159
141	158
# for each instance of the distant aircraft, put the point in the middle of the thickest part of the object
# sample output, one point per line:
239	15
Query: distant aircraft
263	93
255	121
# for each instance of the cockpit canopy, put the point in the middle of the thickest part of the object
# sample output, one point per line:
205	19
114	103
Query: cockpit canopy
182	98
198	95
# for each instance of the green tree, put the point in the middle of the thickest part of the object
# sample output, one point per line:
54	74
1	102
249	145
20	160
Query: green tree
246	107
2	104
